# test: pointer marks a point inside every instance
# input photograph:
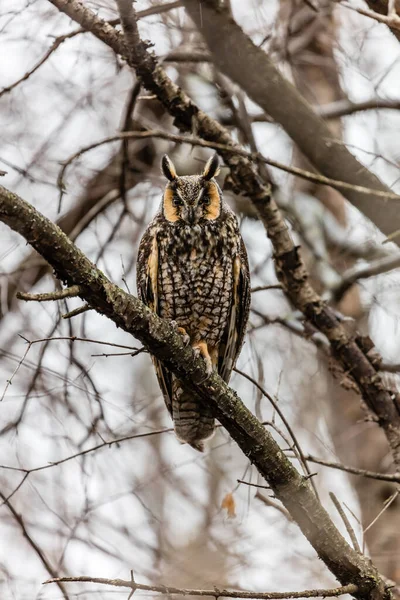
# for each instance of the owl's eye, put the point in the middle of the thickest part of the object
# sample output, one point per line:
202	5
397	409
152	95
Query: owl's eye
205	200
176	201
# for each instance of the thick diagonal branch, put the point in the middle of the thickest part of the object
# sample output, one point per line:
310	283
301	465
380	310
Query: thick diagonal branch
161	339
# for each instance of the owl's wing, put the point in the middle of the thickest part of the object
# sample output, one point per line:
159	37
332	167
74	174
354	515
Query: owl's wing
147	287
235	330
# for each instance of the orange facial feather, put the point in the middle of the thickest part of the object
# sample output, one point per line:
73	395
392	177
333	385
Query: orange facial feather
170	211
214	207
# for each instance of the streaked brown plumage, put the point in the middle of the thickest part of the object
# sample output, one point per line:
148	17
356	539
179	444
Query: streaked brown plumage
193	270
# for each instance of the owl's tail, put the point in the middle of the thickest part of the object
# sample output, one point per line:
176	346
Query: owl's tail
193	422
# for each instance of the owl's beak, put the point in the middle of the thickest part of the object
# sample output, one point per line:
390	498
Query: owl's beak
191	215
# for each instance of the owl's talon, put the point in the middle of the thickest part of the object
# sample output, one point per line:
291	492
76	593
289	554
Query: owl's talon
185	337
182	331
209	367
201	350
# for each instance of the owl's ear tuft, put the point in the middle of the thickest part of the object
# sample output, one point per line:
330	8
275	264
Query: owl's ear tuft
168	168
212	167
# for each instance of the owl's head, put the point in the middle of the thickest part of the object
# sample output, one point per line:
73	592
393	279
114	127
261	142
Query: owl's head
192	199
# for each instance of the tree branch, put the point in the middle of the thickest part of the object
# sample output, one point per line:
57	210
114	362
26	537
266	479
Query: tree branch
163	341
330	110
379	12
153	10
346	522
345	107
391	477
38	551
70	292
253	156
377	267
214	593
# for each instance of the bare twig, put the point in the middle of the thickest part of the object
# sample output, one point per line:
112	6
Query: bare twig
56	44
387	503
343	108
269	502
153	10
10	380
261	288
340	108
77	311
256	485
106	444
89	216
377	267
38	551
58	338
214	593
391	477
15	490
133	354
70	292
127	125
346	522
195	141
277	408
392	21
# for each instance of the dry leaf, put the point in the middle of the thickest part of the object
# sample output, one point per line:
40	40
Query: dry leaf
229	503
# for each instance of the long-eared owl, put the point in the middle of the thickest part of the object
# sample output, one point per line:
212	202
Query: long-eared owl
193	270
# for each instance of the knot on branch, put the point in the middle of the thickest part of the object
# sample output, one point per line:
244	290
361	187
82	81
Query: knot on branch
371	588
185	113
365	343
290	260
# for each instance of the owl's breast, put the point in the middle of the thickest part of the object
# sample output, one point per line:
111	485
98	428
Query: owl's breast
195	282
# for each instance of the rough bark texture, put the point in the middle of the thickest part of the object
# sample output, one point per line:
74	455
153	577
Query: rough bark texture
72	267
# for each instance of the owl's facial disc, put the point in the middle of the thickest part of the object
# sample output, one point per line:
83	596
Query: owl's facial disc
192	200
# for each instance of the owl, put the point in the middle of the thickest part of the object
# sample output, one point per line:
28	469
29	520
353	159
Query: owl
192	269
